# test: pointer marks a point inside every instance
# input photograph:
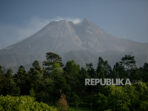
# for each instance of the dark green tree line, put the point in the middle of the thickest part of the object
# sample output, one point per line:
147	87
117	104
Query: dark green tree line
48	82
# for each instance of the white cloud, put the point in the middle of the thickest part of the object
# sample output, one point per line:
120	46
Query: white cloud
73	20
76	21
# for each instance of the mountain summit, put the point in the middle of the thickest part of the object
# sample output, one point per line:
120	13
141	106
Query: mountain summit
84	42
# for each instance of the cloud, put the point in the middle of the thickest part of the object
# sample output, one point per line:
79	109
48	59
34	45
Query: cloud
73	20
76	21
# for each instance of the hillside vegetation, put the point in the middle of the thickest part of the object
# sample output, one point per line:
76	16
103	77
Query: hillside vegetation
63	86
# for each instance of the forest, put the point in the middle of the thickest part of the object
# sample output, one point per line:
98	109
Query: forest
54	86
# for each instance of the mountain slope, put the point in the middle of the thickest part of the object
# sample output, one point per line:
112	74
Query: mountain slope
83	42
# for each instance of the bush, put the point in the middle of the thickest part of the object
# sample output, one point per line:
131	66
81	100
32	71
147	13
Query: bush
23	103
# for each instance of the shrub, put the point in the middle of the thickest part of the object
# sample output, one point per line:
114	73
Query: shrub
22	103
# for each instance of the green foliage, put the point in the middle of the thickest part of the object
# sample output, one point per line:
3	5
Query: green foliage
101	101
47	84
144	71
8	85
32	92
23	103
21	80
52	58
103	68
128	62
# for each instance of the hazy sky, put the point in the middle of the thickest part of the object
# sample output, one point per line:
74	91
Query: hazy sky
122	18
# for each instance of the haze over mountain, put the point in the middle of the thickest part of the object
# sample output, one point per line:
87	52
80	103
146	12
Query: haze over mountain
84	42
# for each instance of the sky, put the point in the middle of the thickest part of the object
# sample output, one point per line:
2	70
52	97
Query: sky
126	19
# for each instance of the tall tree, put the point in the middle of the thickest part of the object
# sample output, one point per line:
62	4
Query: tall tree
54	72
128	62
103	68
21	79
51	58
2	77
71	73
118	71
9	85
145	72
35	76
58	79
91	71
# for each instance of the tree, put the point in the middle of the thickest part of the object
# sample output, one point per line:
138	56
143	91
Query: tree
1	70
142	94
118	71
103	68
145	72
2	79
52	58
36	74
118	99
101	102
39	86
59	81
71	73
21	78
91	71
9	86
128	62
35	78
54	72
36	65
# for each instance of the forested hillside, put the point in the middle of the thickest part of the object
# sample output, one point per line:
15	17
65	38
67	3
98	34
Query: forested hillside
63	86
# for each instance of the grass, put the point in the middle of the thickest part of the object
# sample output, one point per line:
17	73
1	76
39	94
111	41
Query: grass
78	109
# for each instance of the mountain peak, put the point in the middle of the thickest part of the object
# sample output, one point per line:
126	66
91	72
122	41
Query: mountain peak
86	21
59	21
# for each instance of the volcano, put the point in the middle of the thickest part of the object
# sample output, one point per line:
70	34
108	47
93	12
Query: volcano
83	42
